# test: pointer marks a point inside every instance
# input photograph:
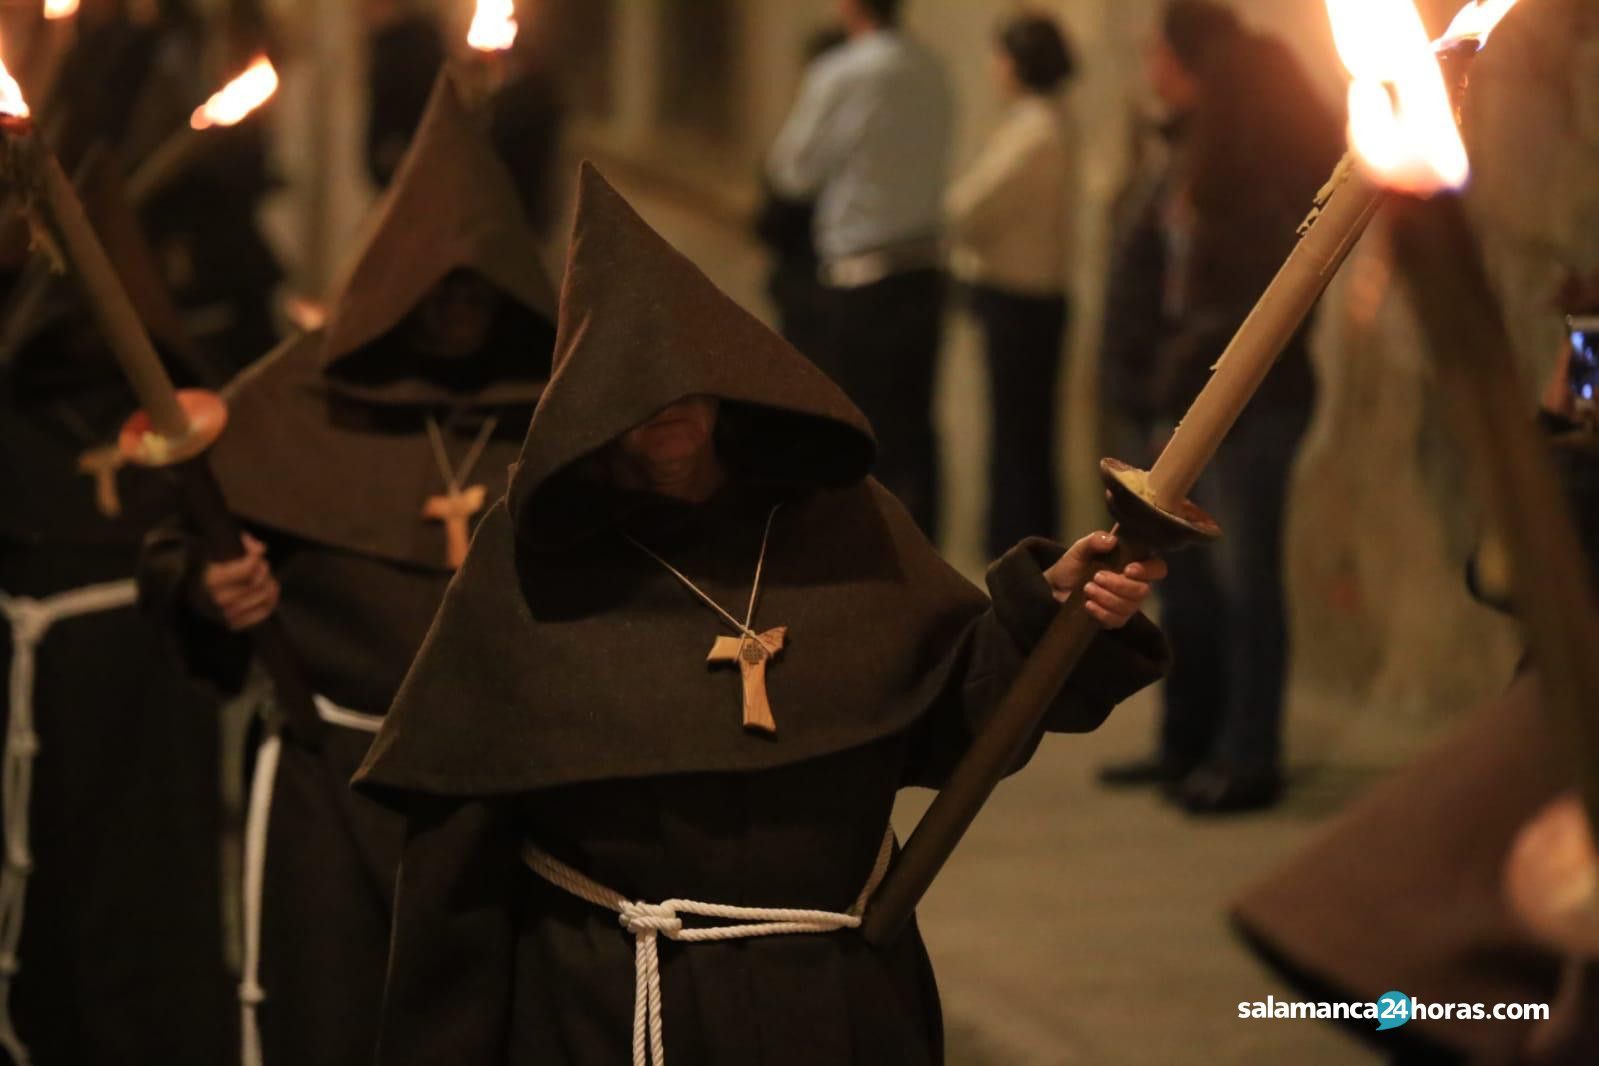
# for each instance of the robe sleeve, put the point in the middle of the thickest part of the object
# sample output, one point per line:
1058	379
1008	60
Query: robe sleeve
1117	665
448	997
168	573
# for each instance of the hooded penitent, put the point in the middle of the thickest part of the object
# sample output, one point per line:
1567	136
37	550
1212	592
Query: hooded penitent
564	698
337	445
121	803
327	437
565	654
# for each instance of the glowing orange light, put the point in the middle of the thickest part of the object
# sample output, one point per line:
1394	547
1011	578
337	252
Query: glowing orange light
60	9
1401	122
11	101
230	104
493	26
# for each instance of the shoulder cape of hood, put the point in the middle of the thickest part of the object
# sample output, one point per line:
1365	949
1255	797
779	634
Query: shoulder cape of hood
320	466
590	665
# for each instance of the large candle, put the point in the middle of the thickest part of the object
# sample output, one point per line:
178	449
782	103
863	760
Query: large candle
1343	209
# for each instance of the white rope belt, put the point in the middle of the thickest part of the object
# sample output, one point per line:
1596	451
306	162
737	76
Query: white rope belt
256	823
647	922
30	620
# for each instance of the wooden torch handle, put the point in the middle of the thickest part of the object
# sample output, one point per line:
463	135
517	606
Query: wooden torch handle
993	753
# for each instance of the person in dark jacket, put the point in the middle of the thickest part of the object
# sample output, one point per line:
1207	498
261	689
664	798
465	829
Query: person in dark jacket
360	457
693	656
1252	144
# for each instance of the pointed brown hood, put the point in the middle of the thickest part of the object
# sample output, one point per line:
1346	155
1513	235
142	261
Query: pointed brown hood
451	206
641	327
327	435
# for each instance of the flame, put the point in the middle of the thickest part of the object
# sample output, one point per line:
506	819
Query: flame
493	26
60	9
230	104
11	100
1476	21
1401	121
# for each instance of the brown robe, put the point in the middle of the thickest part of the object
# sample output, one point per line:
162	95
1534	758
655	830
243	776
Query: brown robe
327	458
563	698
121	955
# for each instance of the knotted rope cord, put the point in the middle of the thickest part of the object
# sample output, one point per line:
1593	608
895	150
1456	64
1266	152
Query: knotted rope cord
256	823
454	476
647	922
30	619
743	627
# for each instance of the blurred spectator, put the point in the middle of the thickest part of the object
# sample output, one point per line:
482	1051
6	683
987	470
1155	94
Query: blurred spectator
868	139
785	226
1251	145
1011	220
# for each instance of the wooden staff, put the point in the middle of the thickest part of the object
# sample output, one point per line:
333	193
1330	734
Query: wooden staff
1439	257
171	429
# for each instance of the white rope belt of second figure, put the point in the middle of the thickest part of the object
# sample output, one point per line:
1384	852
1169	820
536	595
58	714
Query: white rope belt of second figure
30	620
256	823
647	922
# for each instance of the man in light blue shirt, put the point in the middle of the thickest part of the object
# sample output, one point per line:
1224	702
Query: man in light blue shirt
868	139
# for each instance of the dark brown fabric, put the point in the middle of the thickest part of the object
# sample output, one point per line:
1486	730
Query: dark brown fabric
326	438
1404	889
492	965
122	948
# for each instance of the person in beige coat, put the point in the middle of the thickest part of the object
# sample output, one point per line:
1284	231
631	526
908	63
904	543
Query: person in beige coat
1009	216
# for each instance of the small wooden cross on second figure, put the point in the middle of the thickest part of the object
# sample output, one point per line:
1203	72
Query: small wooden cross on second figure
752	653
102	464
454	509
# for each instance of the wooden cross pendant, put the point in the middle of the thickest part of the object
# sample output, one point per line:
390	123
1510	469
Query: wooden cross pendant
102	464
752	654
454	508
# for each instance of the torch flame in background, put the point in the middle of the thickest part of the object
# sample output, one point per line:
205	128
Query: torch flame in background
493	26
11	101
1401	122
231	103
60	9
